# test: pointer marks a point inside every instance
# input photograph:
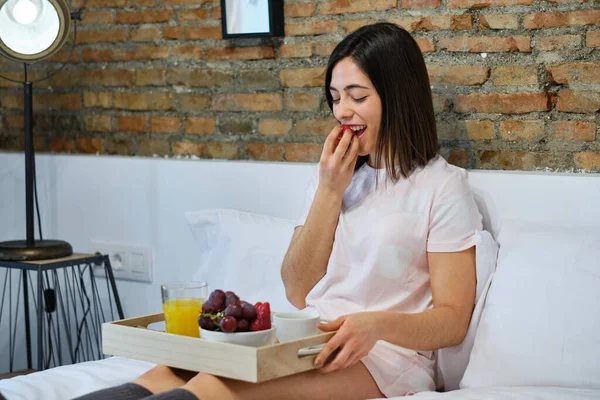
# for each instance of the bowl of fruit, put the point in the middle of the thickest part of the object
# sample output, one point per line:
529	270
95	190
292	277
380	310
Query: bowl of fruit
226	318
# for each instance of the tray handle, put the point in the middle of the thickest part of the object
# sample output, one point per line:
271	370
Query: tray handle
313	350
310	351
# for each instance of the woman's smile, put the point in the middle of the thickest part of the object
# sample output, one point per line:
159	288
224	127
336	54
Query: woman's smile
356	104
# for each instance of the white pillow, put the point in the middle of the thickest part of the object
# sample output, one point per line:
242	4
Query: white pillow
452	361
541	322
242	252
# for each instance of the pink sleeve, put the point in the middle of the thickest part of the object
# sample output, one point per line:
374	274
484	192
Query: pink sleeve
309	196
454	217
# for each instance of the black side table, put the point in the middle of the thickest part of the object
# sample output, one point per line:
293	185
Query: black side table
69	307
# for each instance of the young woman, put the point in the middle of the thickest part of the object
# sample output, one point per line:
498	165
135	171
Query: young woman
385	247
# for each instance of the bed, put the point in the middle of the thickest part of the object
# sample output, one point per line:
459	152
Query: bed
547	225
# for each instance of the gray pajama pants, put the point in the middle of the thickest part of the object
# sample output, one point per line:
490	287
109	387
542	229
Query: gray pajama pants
131	391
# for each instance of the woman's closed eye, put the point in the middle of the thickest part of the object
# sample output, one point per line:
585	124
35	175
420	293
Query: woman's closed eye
359	100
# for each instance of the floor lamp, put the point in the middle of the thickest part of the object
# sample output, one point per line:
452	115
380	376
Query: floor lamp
30	31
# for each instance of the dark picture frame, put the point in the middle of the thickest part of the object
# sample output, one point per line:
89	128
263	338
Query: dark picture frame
275	19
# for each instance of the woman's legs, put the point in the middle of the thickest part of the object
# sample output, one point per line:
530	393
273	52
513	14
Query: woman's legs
159	379
351	383
162	378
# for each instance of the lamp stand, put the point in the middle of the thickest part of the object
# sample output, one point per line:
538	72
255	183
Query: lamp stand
30	249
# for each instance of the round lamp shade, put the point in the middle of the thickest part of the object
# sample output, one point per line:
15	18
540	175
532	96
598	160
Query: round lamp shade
31	30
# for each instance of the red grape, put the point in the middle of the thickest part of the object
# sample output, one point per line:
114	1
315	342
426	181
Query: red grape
231	298
229	324
209	308
234	310
206	323
217	297
243	325
248	311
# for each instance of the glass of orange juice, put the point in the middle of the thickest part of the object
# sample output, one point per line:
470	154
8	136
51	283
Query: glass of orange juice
182	302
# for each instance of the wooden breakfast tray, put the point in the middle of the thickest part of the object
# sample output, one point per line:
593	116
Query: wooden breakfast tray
131	338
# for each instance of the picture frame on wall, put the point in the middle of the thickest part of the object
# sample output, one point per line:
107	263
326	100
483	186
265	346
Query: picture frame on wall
251	18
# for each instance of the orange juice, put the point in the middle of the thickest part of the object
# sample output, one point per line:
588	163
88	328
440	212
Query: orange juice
181	316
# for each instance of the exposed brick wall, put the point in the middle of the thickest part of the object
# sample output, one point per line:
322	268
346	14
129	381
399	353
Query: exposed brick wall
516	83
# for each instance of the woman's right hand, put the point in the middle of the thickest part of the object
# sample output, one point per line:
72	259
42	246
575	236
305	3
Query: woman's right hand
338	159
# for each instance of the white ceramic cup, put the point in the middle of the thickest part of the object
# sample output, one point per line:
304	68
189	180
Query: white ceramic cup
294	325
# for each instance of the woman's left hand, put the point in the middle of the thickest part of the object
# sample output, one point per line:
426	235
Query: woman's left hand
356	335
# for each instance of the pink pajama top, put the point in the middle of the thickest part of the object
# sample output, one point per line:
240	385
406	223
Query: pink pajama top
379	256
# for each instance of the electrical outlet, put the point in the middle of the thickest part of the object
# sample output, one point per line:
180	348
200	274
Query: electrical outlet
128	261
118	260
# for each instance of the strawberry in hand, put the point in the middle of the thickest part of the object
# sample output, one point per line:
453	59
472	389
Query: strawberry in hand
263	317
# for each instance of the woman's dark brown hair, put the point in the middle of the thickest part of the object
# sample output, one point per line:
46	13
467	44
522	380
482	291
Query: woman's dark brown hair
392	60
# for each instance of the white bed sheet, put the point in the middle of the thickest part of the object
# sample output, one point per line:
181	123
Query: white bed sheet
67	382
510	393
